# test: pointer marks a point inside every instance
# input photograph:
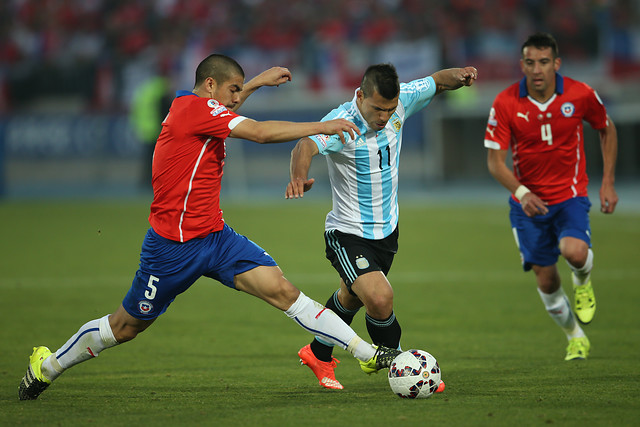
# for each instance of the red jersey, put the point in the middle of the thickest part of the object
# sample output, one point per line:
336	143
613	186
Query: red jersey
187	167
546	140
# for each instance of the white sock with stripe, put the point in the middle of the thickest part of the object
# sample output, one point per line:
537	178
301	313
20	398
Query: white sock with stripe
558	307
322	322
88	342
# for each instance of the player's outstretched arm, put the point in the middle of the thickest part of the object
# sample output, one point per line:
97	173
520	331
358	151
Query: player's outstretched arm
454	78
280	131
609	147
531	204
272	77
301	157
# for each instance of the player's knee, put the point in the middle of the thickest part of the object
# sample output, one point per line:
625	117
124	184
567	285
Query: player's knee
380	306
575	251
282	294
576	256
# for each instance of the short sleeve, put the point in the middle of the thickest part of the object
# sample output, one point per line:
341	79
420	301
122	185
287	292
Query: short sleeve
417	94
497	134
595	111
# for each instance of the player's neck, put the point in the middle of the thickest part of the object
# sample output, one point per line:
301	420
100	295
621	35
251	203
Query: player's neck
201	93
542	96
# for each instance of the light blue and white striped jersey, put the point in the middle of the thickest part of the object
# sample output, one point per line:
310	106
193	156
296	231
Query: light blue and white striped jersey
364	172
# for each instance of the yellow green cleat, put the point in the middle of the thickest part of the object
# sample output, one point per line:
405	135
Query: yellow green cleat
381	359
578	348
34	383
585	302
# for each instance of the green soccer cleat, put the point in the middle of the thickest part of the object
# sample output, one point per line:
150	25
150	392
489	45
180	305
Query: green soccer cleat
578	349
585	302
34	383
381	359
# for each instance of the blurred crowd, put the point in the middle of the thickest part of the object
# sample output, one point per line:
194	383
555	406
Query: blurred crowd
97	51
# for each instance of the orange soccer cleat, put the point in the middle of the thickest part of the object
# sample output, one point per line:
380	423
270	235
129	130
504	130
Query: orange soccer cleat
324	371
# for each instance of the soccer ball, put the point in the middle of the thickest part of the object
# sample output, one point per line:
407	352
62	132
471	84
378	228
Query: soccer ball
414	374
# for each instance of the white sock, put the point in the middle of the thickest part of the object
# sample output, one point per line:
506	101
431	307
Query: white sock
88	342
322	322
361	349
582	275
559	309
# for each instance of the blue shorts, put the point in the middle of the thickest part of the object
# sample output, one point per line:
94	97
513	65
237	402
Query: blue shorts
538	237
168	268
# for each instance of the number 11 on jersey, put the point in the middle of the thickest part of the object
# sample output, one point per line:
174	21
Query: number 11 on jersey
388	156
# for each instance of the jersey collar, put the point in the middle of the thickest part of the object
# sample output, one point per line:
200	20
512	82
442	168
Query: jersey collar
180	93
363	125
559	86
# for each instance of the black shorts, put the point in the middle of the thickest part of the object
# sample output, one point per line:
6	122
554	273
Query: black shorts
353	256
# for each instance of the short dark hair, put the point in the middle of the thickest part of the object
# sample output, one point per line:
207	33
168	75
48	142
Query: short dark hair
381	78
219	67
542	40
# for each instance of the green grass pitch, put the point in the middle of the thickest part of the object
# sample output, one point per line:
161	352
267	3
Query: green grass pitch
220	357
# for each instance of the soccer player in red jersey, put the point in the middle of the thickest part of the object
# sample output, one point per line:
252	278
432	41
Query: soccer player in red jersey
189	238
541	119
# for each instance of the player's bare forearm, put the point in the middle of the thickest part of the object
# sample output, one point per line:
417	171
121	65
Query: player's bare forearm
280	131
609	147
454	78
499	170
301	157
531	204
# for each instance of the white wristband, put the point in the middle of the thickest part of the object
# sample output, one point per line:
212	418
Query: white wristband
521	191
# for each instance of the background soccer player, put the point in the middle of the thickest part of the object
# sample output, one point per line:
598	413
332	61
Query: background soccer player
188	237
361	231
540	119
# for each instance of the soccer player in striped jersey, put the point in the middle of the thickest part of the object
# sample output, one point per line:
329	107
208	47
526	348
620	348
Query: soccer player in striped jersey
189	238
541	119
361	231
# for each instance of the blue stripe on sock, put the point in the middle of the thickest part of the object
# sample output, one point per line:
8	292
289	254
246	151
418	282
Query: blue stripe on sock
319	333
76	340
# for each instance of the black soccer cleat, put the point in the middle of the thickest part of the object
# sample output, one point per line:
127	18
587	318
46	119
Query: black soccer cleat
34	383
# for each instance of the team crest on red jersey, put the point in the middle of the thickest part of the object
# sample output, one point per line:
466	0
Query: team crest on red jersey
492	117
567	109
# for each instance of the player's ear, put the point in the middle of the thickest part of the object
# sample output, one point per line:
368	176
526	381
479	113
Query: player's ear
210	86
557	63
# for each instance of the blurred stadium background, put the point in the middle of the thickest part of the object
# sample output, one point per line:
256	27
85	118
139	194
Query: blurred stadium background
71	72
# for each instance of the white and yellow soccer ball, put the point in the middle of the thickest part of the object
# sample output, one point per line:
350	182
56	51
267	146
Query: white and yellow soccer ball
414	374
